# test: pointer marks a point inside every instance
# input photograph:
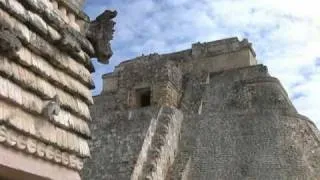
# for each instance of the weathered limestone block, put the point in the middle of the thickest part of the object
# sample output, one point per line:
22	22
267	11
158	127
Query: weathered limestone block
17	8
68	43
85	43
51	14
39	65
32	103
223	46
110	82
29	80
9	43
73	4
54	35
10	90
37	21
3	114
40	26
41	47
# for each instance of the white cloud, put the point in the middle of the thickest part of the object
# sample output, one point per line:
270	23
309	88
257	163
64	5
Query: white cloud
285	35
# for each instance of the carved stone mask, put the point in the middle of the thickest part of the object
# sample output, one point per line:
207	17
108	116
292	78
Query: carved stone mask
100	33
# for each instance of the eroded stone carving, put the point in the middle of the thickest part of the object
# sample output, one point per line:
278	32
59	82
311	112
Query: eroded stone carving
65	158
58	156
31	146
100	33
3	134
49	153
52	107
9	43
41	149
11	138
22	142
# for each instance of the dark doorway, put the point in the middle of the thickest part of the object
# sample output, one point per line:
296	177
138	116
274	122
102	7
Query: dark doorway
143	97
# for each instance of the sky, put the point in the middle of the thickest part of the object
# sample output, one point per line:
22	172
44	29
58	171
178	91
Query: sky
285	35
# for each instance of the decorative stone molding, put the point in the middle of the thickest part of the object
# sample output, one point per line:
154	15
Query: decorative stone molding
11	138
44	130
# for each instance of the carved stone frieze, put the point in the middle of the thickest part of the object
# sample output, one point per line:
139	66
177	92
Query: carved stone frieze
12	138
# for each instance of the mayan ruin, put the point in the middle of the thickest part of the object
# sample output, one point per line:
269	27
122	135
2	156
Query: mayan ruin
45	82
209	112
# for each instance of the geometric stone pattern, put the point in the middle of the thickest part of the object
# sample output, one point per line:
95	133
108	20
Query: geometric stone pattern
213	114
39	149
45	81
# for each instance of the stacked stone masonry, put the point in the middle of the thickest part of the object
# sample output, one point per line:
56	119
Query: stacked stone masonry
45	82
211	113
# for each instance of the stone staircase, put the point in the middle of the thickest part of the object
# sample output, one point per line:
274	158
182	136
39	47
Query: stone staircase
162	146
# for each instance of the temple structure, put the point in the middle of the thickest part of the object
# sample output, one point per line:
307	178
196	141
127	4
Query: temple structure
45	82
209	112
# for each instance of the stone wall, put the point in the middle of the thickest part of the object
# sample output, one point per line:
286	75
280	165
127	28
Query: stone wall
45	82
162	78
163	74
133	144
241	131
116	143
238	121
